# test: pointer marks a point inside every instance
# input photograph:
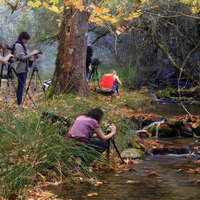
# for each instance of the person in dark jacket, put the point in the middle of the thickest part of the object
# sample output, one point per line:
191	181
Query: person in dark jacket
21	58
88	61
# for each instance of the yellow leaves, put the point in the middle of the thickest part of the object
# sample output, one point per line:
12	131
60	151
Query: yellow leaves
45	4
34	4
24	9
76	3
143	1
51	5
195	5
97	10
195	125
133	15
54	9
79	5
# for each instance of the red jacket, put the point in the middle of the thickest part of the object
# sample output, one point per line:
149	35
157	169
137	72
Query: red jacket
107	81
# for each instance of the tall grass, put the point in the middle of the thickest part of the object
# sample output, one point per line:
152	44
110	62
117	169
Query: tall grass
127	75
30	149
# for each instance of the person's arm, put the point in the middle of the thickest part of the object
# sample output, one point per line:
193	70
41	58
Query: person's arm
21	54
102	136
6	58
118	80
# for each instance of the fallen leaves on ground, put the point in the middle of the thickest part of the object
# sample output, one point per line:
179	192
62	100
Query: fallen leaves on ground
190	171
194	161
150	143
154	175
92	194
40	194
132	182
196	181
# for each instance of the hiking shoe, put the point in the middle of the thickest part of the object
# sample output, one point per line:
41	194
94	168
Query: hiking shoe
23	106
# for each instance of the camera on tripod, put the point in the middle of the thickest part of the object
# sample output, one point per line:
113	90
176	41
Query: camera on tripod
96	62
108	129
30	62
94	71
39	53
11	60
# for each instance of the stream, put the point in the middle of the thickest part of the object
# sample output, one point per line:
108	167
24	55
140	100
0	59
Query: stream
170	110
137	184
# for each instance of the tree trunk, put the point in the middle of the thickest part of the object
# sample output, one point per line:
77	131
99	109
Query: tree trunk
70	71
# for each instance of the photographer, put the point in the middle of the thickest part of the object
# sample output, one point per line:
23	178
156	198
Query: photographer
21	61
87	126
110	82
6	58
88	61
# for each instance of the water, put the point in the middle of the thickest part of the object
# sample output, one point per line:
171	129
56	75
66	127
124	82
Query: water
169	110
138	185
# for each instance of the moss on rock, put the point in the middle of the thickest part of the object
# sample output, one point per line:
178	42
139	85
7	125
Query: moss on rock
167	93
50	91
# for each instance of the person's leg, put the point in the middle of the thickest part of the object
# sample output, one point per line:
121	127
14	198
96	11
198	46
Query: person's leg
87	75
98	145
20	87
115	86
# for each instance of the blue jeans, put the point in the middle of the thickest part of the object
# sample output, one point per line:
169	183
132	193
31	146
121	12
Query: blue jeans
98	145
115	85
20	87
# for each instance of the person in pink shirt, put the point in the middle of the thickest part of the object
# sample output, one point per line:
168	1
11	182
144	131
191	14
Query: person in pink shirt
87	126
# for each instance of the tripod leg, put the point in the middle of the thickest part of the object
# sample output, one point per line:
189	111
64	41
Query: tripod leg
108	151
24	87
29	84
41	83
13	85
7	90
113	141
1	73
97	75
35	87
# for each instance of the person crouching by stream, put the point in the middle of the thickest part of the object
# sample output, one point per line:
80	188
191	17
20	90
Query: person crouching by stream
87	126
110	83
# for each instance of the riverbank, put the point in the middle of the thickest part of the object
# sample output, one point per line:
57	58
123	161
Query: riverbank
34	151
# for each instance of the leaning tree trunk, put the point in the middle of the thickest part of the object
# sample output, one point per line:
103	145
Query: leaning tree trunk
70	71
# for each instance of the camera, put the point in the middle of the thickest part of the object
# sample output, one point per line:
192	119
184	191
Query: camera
96	61
108	129
30	62
39	53
11	60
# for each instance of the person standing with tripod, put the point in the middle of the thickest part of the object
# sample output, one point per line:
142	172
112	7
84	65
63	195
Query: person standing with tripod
21	62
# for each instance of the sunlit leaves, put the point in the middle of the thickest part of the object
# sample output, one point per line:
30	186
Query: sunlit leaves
24	9
195	5
102	12
34	4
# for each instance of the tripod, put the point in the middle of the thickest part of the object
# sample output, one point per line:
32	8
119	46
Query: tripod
94	73
9	77
112	139
1	75
36	75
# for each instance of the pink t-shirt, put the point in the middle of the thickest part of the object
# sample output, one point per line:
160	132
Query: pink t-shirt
83	127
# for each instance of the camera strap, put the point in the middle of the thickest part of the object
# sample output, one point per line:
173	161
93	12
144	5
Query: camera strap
25	50
18	42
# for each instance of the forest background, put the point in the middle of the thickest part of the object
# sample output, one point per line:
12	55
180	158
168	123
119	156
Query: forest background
148	41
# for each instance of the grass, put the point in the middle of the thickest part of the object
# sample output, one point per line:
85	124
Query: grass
32	149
